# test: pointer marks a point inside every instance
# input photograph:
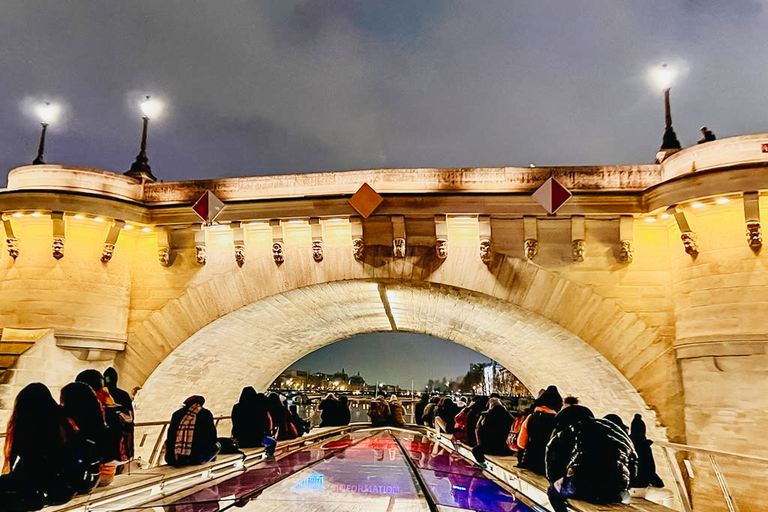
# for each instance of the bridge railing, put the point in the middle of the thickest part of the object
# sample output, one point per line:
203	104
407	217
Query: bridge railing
716	480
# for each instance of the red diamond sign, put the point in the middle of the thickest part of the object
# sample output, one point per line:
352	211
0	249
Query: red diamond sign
552	195
208	207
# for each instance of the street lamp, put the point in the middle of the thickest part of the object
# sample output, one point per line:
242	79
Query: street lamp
140	169
47	113
669	141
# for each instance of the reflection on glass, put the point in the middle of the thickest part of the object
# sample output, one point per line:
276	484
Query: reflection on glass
362	471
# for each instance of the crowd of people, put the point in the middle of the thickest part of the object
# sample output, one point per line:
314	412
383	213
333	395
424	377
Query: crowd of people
55	450
583	457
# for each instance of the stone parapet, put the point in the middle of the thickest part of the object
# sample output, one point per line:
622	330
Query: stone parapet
732	152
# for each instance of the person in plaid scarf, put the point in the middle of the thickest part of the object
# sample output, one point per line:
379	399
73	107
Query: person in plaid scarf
191	435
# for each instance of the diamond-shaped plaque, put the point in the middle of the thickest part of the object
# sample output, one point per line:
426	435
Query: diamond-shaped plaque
552	195
365	200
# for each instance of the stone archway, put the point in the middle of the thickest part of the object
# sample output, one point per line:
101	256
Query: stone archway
252	345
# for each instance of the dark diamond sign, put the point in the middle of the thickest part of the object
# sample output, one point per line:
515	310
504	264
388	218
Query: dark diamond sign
552	195
208	207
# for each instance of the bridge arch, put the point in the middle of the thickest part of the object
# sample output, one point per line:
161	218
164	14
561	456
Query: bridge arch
543	327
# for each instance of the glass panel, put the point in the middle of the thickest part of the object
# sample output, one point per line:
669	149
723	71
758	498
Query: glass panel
455	482
368	474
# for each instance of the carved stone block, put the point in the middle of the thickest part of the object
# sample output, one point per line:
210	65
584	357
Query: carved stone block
627	251
277	253
164	256
240	255
531	248
578	248
317	250
398	249
14	246
358	249
107	252
754	236
441	248
58	247
689	242
201	254
486	254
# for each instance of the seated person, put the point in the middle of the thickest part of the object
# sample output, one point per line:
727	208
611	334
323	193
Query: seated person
492	430
191	435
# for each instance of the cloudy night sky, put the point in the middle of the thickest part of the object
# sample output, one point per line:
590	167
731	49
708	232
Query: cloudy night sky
274	87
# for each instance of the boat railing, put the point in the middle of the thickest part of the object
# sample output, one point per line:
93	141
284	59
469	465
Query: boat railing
704	478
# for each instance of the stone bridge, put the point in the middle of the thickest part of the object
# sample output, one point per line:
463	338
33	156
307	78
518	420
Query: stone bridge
646	292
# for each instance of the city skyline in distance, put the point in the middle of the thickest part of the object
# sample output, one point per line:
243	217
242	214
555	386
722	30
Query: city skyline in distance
393	358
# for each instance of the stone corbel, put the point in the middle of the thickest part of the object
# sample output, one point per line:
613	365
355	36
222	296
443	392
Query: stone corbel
316	230
163	246
578	238
238	238
59	234
530	236
441	236
14	244
201	250
752	221
358	243
626	238
484	230
277	241
111	241
398	236
687	235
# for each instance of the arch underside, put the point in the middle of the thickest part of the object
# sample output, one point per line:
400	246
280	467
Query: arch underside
254	344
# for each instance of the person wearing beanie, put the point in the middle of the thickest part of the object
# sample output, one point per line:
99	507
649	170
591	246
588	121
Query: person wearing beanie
537	430
192	437
646	470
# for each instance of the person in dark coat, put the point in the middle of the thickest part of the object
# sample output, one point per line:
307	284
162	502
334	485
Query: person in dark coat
708	136
557	452
80	404
330	411
192	437
302	426
601	464
646	466
428	418
345	415
378	412
445	415
124	413
251	422
39	467
418	409
493	427
281	418
476	407
537	430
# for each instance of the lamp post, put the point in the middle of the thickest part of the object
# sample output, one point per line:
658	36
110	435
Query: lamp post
140	169
47	114
669	141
